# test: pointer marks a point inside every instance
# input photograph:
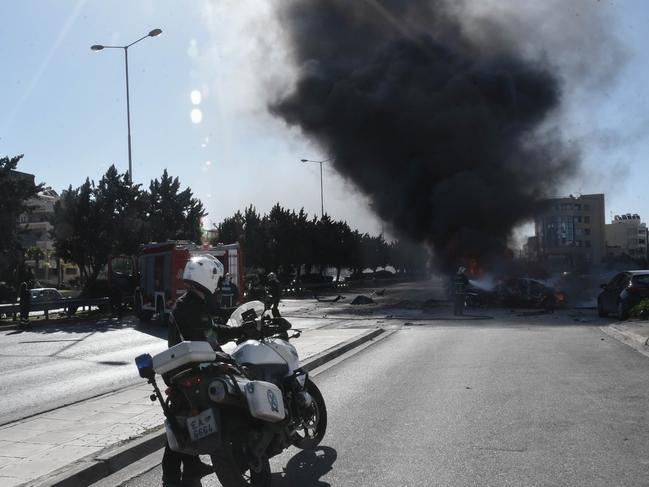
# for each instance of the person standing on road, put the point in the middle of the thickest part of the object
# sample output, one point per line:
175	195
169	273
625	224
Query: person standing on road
275	291
25	302
460	282
192	320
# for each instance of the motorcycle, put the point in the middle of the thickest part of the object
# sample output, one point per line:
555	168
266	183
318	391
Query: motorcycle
242	407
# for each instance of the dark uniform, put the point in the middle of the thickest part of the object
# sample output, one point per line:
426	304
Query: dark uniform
25	300
275	290
460	282
193	320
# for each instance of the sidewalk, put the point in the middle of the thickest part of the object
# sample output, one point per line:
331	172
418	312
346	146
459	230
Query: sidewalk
70	442
633	333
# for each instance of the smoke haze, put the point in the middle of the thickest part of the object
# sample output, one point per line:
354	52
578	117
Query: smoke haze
445	125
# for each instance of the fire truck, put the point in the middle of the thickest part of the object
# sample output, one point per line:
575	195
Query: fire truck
159	271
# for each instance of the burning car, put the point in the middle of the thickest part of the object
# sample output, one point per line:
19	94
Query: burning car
524	292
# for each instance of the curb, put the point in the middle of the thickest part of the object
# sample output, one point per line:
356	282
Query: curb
97	466
632	340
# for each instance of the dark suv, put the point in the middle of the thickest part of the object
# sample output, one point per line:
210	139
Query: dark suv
622	293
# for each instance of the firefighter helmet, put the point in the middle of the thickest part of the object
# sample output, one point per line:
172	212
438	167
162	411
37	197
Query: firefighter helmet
205	271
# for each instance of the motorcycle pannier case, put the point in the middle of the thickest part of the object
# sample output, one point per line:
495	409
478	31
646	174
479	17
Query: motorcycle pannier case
265	401
182	354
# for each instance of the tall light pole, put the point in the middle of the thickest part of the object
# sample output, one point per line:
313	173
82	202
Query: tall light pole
321	193
99	47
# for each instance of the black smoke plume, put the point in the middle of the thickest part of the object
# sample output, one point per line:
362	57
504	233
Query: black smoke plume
447	137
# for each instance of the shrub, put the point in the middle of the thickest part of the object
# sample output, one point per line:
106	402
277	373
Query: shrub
640	310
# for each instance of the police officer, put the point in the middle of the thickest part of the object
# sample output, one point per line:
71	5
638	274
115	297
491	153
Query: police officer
193	319
460	282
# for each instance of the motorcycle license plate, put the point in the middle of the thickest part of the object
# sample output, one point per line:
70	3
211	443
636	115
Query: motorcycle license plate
201	425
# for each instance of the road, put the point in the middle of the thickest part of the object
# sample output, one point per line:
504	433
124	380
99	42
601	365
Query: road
57	364
53	365
502	402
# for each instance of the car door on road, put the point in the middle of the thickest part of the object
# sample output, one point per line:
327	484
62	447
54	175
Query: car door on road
612	291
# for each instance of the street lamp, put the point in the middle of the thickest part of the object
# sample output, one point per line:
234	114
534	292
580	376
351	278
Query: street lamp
321	195
99	47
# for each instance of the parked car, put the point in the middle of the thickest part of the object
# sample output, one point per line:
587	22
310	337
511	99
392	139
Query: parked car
622	293
42	294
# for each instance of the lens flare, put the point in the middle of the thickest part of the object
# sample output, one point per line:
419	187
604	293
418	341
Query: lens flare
196	115
196	97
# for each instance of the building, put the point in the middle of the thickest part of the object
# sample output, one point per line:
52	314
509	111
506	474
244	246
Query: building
571	232
34	229
626	234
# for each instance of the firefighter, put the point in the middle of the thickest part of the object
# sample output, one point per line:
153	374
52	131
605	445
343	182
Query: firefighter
227	291
275	293
460	282
193	318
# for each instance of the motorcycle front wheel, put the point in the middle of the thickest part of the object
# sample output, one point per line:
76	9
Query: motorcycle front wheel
314	420
233	467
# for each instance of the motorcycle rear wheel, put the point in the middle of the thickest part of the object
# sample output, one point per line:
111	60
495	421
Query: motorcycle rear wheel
232	467
314	421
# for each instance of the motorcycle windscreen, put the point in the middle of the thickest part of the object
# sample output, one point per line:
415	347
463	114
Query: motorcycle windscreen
236	318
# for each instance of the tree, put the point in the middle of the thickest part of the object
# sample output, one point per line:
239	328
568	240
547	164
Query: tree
173	214
15	189
36	254
76	230
93	222
231	229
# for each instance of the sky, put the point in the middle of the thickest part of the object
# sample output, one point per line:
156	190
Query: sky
199	94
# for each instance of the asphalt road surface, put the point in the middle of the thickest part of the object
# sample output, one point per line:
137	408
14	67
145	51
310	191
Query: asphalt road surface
485	404
53	365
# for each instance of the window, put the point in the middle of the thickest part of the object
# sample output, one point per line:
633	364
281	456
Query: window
586	207
578	207
587	244
586	219
642	241
586	231
641	280
578	219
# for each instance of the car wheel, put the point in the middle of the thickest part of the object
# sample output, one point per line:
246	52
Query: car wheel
622	312
601	312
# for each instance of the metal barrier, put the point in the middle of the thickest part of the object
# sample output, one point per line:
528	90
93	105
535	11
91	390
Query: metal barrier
70	305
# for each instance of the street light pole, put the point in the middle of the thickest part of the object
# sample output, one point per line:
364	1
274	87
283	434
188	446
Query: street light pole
128	118
99	47
321	189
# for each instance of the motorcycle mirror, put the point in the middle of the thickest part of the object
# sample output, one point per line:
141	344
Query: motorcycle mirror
144	364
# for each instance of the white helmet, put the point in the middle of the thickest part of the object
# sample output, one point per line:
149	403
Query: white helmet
204	271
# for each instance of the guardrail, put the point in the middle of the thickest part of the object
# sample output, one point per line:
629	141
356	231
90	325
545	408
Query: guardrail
70	305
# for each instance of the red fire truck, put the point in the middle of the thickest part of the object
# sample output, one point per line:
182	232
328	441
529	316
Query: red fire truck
160	268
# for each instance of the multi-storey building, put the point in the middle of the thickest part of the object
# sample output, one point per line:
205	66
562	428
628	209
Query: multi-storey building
34	232
570	232
626	234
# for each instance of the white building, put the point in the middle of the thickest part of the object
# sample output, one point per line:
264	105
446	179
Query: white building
34	231
626	234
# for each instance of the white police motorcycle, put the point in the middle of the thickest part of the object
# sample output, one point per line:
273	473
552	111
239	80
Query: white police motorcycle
241	407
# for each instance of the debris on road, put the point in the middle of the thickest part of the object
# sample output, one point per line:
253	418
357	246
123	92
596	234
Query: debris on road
329	300
361	299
